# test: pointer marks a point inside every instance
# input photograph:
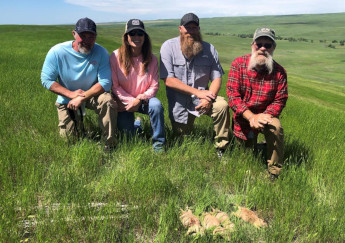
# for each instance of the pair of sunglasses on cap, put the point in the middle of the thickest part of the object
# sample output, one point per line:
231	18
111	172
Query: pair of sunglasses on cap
136	32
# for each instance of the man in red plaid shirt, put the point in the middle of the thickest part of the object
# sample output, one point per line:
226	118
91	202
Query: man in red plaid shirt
257	93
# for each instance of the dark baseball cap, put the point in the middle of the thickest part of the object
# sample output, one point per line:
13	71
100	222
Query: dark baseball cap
189	17
267	32
85	25
134	24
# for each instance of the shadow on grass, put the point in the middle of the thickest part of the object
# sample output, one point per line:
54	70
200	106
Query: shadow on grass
201	132
296	153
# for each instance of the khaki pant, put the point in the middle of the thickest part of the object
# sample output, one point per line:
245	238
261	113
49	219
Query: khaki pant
274	135
221	122
71	122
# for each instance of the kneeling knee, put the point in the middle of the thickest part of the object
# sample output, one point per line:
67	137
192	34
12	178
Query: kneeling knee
275	128
222	106
156	107
109	101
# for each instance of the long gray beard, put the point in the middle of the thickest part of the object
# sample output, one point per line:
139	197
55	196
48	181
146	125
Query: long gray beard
267	63
190	49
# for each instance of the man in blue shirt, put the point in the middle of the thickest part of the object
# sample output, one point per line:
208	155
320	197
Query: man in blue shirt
79	73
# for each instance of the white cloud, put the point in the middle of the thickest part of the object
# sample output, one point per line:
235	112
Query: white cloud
154	9
39	11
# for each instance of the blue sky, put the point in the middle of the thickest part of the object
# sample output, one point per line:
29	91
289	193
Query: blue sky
45	12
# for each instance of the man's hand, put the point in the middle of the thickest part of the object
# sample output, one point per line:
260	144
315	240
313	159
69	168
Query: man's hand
133	106
204	106
206	94
78	92
258	121
75	103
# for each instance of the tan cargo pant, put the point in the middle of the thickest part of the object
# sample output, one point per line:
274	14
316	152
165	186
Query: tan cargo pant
274	135
71	122
221	122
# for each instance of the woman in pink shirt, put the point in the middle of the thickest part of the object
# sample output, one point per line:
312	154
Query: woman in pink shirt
135	82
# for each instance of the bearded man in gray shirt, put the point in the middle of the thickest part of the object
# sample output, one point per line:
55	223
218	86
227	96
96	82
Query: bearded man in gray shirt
187	65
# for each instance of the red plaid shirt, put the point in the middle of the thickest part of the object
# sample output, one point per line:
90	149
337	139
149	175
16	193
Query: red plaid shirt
258	92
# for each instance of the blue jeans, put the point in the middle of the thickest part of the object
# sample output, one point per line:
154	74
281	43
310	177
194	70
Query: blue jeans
155	110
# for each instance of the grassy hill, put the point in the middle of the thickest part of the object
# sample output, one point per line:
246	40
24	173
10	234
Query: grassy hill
52	191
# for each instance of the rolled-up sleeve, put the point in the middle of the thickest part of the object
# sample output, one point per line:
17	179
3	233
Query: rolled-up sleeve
166	61
216	69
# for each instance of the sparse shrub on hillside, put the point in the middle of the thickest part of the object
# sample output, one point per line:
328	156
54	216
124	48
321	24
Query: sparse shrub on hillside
291	39
303	39
331	46
245	35
211	33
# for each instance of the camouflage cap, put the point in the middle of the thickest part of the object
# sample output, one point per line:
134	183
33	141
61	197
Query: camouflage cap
260	32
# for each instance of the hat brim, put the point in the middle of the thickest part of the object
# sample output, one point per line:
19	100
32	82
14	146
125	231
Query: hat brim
257	37
91	31
135	28
192	21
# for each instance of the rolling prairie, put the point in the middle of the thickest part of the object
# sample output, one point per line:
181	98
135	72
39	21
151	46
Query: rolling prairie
59	192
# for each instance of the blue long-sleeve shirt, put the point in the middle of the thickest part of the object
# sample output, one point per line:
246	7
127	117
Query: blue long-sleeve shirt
74	70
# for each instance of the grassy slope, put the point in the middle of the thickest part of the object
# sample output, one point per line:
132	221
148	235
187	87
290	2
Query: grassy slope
38	169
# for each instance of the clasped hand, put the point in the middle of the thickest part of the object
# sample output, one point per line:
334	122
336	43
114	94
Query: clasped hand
206	94
77	98
133	106
204	106
258	121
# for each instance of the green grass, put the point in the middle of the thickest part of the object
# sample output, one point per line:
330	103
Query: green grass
53	191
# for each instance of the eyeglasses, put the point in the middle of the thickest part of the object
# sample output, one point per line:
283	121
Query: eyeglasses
138	33
267	45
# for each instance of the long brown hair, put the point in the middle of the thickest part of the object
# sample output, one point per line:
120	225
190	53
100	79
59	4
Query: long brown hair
125	54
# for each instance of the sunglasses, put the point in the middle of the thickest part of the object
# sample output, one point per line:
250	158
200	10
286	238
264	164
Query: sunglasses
138	33
192	28
267	45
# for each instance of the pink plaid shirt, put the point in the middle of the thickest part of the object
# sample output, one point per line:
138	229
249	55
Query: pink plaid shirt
258	92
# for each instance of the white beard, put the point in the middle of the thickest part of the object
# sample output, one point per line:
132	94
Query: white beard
83	50
261	61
